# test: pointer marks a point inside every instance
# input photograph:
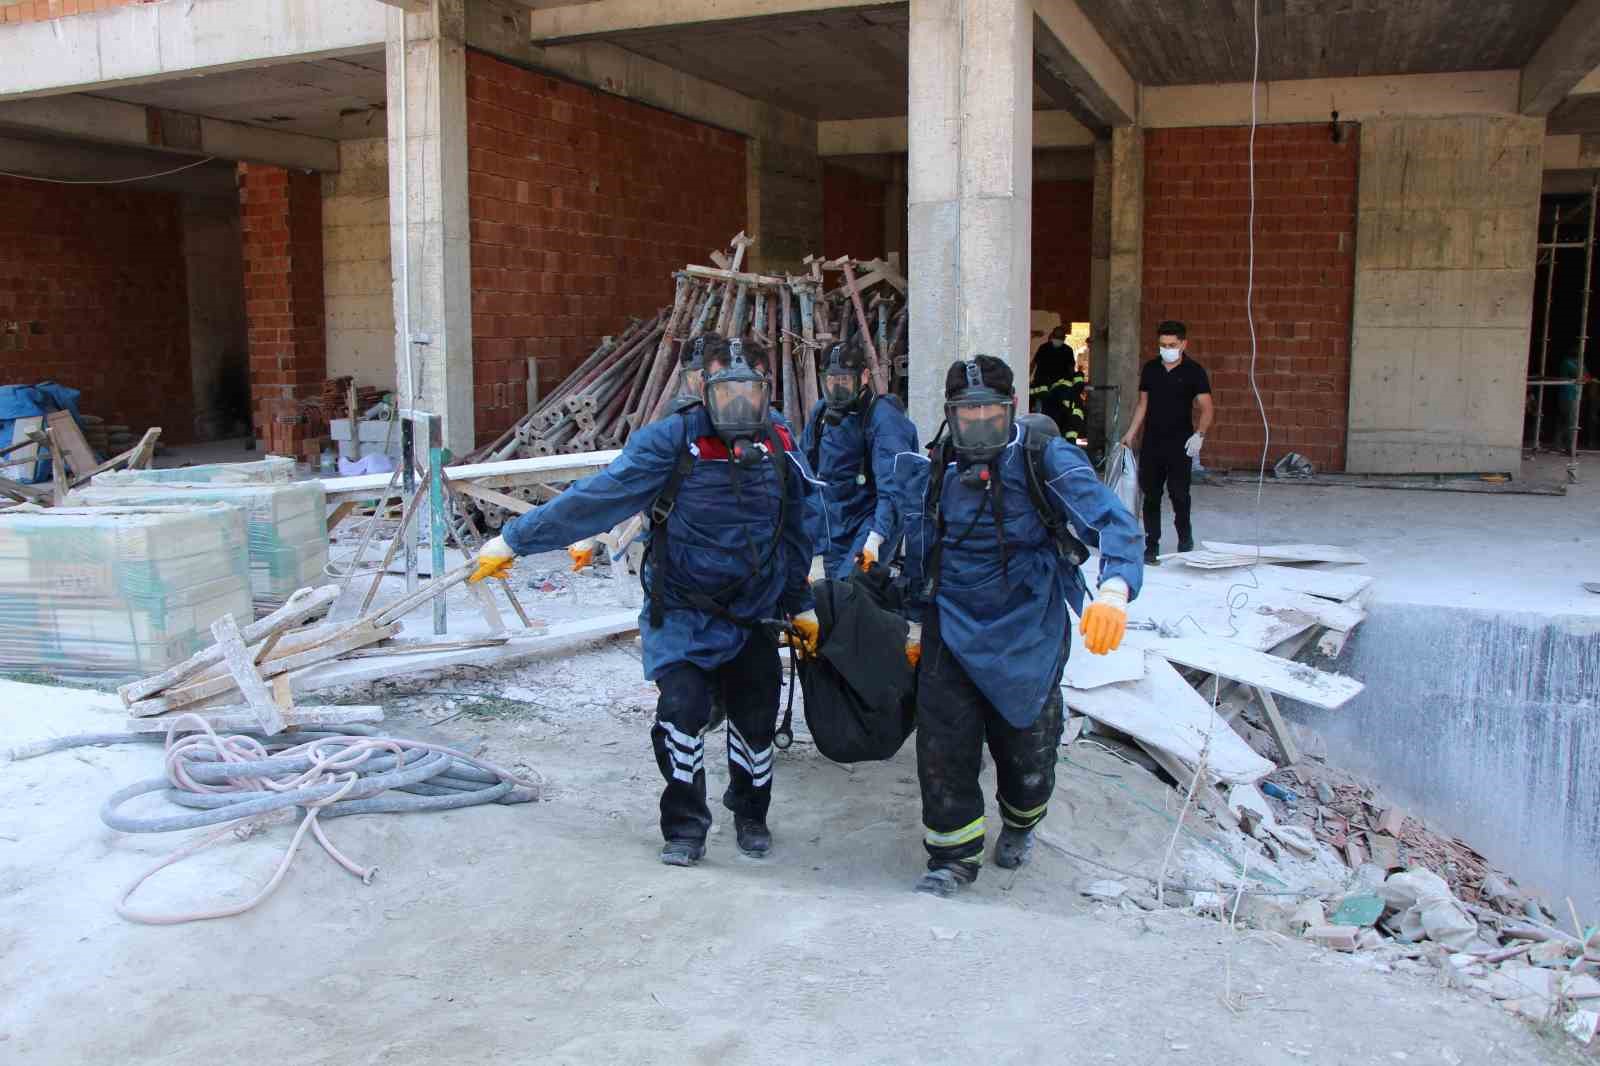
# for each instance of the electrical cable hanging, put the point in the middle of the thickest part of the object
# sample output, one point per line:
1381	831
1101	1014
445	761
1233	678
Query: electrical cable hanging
108	181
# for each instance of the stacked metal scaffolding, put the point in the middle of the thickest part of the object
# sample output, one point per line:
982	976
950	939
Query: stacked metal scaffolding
1548	253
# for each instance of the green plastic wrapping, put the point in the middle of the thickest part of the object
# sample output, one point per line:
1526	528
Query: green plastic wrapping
287	525
117	592
274	469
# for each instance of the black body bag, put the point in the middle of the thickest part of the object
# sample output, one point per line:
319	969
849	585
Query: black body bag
861	694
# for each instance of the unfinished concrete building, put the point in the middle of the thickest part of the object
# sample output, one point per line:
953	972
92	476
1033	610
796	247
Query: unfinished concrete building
248	197
1086	159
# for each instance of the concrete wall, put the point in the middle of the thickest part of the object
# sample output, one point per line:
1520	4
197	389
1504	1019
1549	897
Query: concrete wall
219	355
1196	258
1486	724
357	277
784	197
93	295
1444	283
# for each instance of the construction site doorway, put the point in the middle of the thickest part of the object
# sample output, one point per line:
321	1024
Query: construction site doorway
1563	401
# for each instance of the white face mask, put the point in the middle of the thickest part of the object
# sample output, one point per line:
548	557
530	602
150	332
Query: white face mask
1171	355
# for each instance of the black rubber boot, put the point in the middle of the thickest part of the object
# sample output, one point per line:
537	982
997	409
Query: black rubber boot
682	852
1013	847
946	879
1186	545
1151	558
755	839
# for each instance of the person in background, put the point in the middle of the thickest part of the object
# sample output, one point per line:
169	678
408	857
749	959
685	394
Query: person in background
1058	387
851	439
1172	388
1567	397
727	492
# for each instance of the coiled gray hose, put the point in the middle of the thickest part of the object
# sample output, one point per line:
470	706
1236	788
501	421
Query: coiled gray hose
234	781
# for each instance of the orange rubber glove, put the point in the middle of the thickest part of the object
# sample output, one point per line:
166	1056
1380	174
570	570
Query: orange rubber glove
869	551
582	554
809	629
494	560
1106	619
914	644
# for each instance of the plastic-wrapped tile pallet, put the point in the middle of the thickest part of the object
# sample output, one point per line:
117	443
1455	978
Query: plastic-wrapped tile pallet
287	522
117	592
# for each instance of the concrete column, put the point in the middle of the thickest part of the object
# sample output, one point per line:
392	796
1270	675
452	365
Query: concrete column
1100	272
1124	345
894	211
219	347
970	191
783	191
428	222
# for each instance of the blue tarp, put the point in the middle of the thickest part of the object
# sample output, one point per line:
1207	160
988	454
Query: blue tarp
34	401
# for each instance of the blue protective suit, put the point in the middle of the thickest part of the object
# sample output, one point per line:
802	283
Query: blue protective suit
1007	627
855	460
721	528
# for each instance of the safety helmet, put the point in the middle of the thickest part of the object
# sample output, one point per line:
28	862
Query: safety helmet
737	395
979	408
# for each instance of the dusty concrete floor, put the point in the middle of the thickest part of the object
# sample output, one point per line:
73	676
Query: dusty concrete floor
549	933
1498	552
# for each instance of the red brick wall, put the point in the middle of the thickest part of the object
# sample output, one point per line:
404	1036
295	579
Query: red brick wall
92	294
281	217
852	214
43	10
1195	253
582	205
1061	223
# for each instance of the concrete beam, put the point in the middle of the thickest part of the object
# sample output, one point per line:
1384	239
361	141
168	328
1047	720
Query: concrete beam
96	163
141	43
1492	92
1077	69
91	118
416	7
873	136
609	18
1566	58
500	27
1572	151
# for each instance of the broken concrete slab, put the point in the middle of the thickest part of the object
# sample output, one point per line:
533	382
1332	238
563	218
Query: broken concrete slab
1337	937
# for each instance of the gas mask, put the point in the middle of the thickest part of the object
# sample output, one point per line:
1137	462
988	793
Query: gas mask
841	383
736	399
1171	355
980	420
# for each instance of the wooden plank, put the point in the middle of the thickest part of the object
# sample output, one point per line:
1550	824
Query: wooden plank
1296	553
1203	596
239	718
1205	793
1296	681
23	449
301	605
355	636
544	469
1341	586
25	493
1161	710
1086	671
256	693
128	458
1277	727
499	499
340	513
64	430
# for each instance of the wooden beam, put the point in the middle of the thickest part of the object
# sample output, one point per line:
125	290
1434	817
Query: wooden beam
1568	56
609	18
1079	71
416	7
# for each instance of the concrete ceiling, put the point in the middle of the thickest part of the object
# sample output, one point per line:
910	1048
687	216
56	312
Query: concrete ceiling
1184	42
824	65
43	155
342	99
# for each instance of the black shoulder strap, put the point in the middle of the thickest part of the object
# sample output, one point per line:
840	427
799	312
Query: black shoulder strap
660	511
814	453
1068	546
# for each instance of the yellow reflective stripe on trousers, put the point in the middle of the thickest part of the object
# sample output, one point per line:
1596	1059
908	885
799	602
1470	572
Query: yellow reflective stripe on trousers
973	830
1022	819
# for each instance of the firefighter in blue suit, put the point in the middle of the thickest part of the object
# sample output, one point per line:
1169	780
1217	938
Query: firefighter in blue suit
851	439
996	541
727	491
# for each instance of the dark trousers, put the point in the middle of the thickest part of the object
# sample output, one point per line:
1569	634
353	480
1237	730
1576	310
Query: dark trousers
748	687
953	721
1165	465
